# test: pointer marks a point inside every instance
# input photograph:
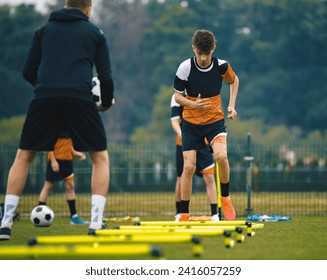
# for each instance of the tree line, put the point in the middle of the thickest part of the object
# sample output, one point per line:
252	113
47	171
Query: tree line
277	48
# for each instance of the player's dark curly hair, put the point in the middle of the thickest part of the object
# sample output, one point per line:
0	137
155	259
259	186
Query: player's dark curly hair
204	41
81	4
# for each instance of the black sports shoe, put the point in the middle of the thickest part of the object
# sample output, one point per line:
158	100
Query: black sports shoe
2	210
92	231
5	233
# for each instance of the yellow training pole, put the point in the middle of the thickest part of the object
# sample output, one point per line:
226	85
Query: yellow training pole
95	241
195	223
112	239
176	232
249	225
218	191
195	227
77	252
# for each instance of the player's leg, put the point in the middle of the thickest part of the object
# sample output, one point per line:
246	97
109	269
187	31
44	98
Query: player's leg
71	200
70	196
38	134
210	183
186	182
179	171
15	185
88	134
50	177
206	168
43	197
100	186
178	198
219	147
70	187
67	171
192	140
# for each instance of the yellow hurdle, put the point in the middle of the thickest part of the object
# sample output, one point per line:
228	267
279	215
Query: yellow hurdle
214	227
77	252
153	232
85	239
249	225
195	223
96	241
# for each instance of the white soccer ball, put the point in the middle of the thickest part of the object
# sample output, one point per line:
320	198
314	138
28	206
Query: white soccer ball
42	216
96	91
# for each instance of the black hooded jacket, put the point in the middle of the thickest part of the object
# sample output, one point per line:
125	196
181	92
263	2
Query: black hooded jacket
62	57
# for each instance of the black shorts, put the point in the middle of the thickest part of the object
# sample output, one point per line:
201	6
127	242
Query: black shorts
65	170
193	135
47	117
204	159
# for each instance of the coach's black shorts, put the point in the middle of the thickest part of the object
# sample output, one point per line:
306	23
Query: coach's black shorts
193	135
65	170
204	159
47	117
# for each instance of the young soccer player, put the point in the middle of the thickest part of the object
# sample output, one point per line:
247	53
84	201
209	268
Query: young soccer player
197	84
60	167
204	165
60	65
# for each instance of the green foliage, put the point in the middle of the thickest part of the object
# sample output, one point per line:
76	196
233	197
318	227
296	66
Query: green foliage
277	48
10	129
123	24
17	27
158	130
317	135
167	42
285	74
261	133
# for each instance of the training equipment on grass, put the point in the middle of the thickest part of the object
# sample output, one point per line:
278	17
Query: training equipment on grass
218	191
223	224
239	235
42	216
249	174
196	223
266	218
195	227
78	252
229	242
132	238
237	229
126	219
96	241
162	231
199	218
96	91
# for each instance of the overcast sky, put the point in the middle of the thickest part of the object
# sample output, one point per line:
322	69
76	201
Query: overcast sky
40	5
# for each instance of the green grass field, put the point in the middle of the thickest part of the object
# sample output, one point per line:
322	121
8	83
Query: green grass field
303	238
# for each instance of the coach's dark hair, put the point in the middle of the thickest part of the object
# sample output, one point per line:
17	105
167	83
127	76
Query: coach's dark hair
204	40
81	4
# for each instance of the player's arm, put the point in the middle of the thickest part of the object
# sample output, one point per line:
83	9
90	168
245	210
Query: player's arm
33	60
233	89
198	103
54	162
176	112
107	95
103	67
175	123
79	155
